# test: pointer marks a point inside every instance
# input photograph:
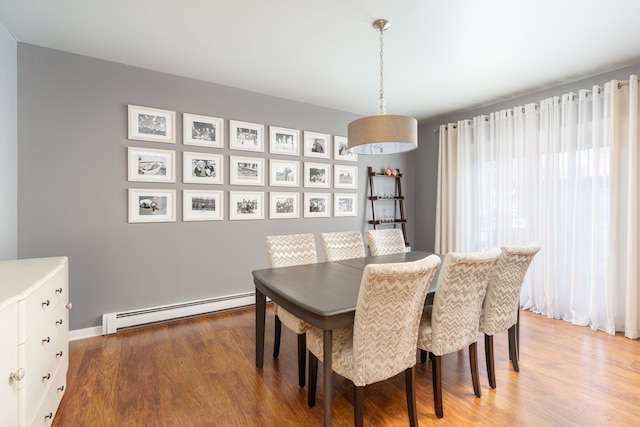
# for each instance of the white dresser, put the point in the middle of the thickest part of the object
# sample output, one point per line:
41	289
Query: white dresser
34	338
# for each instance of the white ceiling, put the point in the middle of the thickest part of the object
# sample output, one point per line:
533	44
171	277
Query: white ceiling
440	56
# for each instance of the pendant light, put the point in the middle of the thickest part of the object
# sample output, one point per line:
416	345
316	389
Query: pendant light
382	134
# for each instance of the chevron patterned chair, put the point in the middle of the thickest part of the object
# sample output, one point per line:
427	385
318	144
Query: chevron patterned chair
286	251
451	323
382	341
501	303
386	242
342	245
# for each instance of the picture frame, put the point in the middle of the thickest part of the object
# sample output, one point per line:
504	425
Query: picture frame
345	176
152	205
317	205
202	168
345	204
284	173
151	124
202	131
341	149
202	205
246	170
317	175
284	205
246	136
317	145
151	165
284	141
246	205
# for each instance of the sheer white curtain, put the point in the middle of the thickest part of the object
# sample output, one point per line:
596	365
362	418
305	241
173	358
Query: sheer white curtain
552	173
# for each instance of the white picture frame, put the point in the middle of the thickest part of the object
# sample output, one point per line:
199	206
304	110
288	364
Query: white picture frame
345	204
284	141
202	131
246	170
345	176
202	168
246	136
317	175
317	205
151	165
284	173
151	205
284	205
246	205
202	205
341	150
317	145
151	124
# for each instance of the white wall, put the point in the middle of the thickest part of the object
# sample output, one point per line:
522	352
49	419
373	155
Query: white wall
8	146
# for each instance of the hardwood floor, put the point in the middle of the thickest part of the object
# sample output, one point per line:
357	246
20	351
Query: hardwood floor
201	372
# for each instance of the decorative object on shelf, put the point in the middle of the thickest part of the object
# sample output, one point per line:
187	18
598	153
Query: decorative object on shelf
389	212
202	131
152	124
202	205
382	134
151	165
202	168
152	205
284	141
246	136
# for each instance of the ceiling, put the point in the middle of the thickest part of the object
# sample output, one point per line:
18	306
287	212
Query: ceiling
439	56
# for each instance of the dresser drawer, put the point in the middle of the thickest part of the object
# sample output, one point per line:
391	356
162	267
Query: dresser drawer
43	414
35	307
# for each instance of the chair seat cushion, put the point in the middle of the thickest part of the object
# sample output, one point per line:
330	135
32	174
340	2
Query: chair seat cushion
290	321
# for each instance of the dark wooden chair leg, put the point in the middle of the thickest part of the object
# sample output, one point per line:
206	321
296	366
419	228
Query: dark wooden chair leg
436	375
488	355
276	338
313	380
513	347
358	407
410	384
473	362
423	355
518	335
302	358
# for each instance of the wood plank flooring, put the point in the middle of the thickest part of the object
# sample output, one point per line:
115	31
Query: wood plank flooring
201	372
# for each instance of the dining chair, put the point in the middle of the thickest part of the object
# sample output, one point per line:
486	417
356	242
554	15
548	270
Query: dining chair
501	306
286	251
342	245
382	341
386	242
452	322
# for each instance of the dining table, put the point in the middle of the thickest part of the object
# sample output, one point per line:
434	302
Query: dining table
322	294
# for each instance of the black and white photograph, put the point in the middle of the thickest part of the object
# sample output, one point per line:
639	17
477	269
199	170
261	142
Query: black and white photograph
246	170
284	173
345	204
317	175
202	131
151	124
202	168
246	136
316	205
200	205
317	145
345	176
341	149
284	141
151	165
246	205
152	205
284	205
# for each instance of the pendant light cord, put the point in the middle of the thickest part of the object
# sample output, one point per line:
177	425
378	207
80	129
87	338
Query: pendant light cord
382	106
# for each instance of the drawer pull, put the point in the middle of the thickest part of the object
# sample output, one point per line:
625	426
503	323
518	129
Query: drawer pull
48	417
59	354
59	291
69	306
46	377
18	375
61	388
59	322
46	340
46	303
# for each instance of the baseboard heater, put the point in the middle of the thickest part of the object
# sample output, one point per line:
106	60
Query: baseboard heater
111	322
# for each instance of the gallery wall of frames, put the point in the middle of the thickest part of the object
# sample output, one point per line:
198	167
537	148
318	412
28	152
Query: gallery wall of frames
297	163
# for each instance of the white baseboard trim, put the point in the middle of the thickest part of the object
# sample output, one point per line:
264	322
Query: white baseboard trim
80	334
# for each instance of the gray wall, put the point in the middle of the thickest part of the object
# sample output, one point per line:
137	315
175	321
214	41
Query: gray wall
72	184
427	155
8	146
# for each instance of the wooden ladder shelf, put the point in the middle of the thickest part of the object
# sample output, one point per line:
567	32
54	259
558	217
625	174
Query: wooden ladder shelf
389	198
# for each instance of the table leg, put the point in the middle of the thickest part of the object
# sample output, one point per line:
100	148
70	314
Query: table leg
261	304
327	372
